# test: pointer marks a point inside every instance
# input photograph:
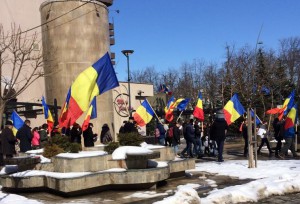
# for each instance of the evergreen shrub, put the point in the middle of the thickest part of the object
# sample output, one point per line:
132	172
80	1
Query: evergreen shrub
110	148
51	150
130	139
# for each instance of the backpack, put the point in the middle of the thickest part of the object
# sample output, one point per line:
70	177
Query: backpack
170	132
157	133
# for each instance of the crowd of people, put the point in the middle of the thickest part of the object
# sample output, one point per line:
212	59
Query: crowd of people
28	138
205	140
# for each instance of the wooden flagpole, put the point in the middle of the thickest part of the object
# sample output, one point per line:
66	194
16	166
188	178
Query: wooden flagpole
154	112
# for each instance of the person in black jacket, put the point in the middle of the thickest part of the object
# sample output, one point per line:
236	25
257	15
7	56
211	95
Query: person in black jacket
25	136
129	126
89	136
75	133
8	140
189	137
176	137
218	132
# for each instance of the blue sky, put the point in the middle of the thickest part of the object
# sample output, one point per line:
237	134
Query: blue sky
167	33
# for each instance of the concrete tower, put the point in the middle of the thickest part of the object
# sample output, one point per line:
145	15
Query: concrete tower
76	35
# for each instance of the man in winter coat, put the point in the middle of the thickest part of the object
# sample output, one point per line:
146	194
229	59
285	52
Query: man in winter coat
289	137
162	133
189	137
25	136
176	137
218	133
8	140
89	136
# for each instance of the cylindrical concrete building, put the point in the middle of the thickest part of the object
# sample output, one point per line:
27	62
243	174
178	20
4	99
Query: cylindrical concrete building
76	36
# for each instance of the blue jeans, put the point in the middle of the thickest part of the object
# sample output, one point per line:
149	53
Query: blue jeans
188	149
162	141
175	148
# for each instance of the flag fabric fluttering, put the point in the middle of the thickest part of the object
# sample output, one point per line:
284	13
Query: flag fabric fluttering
169	109
143	114
91	114
233	109
257	119
63	118
93	81
287	105
48	115
165	89
198	112
182	103
291	121
17	122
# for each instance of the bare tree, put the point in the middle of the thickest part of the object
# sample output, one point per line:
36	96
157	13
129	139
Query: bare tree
20	63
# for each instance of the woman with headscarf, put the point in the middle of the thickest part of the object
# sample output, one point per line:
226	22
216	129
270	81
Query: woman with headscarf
105	136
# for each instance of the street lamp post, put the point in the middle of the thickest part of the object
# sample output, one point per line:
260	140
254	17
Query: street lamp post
127	53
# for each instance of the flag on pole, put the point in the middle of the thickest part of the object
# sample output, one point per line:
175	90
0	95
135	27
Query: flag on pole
63	118
198	112
291	121
169	109
17	122
257	119
48	115
287	105
144	113
233	109
163	88
93	81
181	103
91	114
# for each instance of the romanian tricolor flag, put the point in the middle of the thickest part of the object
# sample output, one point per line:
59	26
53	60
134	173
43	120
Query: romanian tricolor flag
233	109
169	109
63	118
198	112
291	121
17	122
143	114
287	105
93	81
48	115
91	114
181	103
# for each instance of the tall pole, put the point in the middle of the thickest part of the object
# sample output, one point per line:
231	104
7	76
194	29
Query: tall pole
127	53
130	113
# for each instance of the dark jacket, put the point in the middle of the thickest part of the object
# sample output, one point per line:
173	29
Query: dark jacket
176	136
281	128
25	137
162	131
88	137
43	135
76	135
129	127
8	142
189	132
218	129
197	131
105	136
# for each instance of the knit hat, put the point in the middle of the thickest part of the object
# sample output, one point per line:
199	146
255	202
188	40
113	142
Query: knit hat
9	122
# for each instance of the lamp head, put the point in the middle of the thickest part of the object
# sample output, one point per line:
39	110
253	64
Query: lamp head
127	52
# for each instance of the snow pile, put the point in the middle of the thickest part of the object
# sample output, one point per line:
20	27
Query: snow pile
15	199
150	146
120	152
145	194
185	194
36	151
81	154
49	174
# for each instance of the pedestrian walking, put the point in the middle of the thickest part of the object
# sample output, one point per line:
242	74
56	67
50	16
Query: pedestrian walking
218	132
189	134
24	136
162	132
289	138
75	133
263	133
8	141
176	137
88	136
105	136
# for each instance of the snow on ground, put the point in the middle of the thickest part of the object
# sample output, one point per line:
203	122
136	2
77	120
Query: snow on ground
120	152
81	154
36	151
151	146
273	177
15	199
185	194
